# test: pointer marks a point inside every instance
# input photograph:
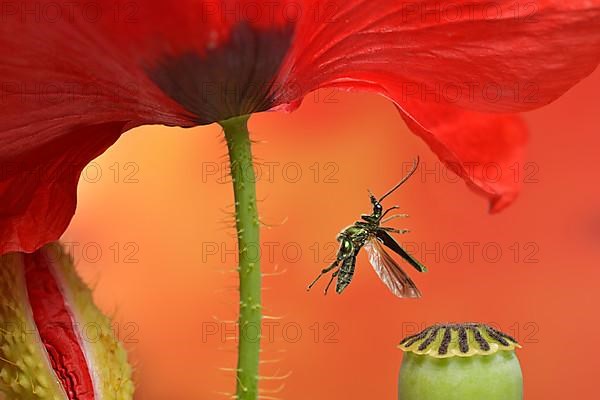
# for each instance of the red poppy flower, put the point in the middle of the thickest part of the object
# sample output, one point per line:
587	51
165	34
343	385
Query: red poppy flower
75	76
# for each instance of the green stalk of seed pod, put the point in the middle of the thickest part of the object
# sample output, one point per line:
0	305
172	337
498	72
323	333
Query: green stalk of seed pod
460	362
55	344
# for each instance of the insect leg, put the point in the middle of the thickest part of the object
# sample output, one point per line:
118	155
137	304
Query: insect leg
394	230
323	272
388	210
333	276
394	217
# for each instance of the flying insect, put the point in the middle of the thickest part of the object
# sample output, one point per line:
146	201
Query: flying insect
370	234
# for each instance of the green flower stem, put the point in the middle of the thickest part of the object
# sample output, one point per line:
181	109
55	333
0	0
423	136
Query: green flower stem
247	224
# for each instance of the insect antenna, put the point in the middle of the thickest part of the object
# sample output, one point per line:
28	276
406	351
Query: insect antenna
410	173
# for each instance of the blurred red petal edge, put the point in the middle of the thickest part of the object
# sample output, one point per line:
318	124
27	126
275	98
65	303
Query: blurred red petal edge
38	195
486	150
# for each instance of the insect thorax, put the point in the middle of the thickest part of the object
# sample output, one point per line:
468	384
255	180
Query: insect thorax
356	233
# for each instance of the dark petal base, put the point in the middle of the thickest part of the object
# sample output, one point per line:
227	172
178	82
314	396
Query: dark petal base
231	80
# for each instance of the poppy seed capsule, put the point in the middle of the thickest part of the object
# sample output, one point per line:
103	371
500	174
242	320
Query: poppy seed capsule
54	342
458	362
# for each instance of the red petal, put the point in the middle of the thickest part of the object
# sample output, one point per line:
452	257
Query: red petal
67	93
75	76
39	184
503	56
484	149
445	64
55	325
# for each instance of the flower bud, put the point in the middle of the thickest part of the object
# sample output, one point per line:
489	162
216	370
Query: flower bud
459	362
54	342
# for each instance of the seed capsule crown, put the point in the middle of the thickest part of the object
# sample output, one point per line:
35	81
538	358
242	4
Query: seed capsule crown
462	340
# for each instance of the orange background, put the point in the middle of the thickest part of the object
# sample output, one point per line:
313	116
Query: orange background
166	207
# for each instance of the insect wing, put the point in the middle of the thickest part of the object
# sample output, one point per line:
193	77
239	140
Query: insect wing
389	272
390	242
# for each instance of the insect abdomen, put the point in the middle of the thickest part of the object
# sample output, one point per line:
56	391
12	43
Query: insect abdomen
346	273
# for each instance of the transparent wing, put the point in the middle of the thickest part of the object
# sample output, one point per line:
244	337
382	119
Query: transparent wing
389	271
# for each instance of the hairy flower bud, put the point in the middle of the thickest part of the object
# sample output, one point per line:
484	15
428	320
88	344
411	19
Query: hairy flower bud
54	342
458	362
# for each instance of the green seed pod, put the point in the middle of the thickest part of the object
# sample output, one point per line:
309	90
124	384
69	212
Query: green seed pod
460	362
54	342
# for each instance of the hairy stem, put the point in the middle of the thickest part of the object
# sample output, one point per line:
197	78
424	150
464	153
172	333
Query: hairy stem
247	225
